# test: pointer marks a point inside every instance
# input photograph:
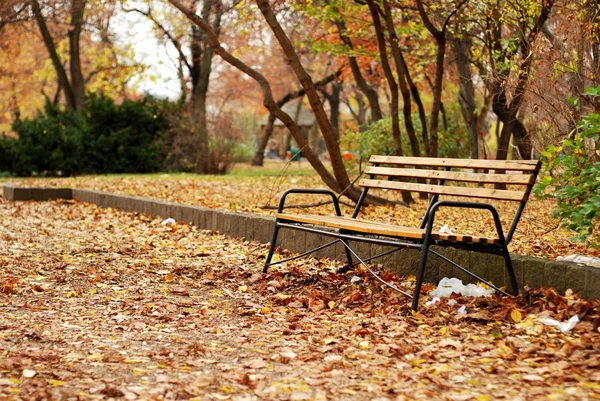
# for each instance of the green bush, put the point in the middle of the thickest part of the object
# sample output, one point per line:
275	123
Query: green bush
7	154
51	144
377	139
109	138
125	138
572	177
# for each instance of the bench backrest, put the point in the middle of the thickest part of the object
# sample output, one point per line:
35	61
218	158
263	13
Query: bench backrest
384	169
449	178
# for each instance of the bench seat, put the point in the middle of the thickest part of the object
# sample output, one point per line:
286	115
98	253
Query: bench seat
377	228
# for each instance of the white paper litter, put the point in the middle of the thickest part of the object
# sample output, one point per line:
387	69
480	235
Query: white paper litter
434	300
564	327
462	310
446	230
584	260
354	279
168	221
449	285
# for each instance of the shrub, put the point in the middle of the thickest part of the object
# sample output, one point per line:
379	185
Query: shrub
7	154
109	138
125	138
572	172
377	139
224	146
51	144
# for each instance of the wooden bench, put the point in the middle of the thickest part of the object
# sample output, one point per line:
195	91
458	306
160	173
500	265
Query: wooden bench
456	178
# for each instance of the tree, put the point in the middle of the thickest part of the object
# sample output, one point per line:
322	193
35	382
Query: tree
439	34
72	87
338	181
462	48
507	97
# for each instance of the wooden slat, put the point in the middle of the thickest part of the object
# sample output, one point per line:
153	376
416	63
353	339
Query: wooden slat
481	193
513	165
363	226
483	178
377	228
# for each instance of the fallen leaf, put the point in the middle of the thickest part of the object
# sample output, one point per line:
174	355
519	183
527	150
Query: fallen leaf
516	316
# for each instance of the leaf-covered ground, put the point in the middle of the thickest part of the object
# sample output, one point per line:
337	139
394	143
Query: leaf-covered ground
98	304
249	189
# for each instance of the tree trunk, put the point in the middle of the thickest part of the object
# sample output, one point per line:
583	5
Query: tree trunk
402	73
334	108
63	79
202	54
466	93
259	156
369	91
77	81
406	196
437	94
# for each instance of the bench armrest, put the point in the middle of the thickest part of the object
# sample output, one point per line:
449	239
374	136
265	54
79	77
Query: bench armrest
336	203
467	205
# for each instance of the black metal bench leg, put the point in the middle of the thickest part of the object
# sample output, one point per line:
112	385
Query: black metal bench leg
511	272
271	248
348	254
420	274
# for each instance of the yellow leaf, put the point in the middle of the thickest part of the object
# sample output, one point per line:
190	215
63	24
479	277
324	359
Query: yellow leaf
71	294
169	278
444	330
133	361
515	315
243	288
56	383
484	397
283	296
364	345
331	304
265	311
138	372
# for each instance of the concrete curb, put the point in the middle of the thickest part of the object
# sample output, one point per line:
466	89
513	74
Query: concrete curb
530	271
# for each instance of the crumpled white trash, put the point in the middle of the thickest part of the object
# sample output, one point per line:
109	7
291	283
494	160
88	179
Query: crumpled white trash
168	222
564	327
446	230
449	285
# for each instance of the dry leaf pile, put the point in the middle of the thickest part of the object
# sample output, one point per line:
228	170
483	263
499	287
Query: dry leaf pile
98	304
538	233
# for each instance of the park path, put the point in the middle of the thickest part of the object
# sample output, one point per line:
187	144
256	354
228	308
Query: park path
98	303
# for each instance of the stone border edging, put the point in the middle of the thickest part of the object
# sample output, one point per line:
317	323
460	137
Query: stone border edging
530	271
